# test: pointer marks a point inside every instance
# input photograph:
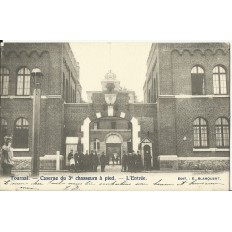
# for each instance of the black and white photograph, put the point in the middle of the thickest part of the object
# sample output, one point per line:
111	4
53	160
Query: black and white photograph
115	115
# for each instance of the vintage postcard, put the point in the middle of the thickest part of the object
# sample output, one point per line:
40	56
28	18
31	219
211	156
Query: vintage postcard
115	116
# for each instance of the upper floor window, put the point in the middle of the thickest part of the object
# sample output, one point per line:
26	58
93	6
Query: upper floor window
20	138
3	131
96	144
219	80
96	125
222	132
198	80
200	133
4	81
23	81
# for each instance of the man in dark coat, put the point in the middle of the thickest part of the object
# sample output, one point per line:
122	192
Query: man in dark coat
86	162
76	158
124	162
103	162
81	161
95	162
147	160
91	161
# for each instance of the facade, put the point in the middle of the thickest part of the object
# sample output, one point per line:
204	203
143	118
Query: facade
189	83
111	122
183	122
60	85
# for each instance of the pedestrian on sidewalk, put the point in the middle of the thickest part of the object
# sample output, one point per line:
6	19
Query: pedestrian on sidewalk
7	156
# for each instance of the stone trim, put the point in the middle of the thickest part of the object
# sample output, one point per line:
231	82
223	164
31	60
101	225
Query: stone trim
211	149
21	149
194	96
203	158
167	157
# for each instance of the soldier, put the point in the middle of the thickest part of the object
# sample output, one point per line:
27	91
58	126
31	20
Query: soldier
86	162
139	162
95	162
147	160
81	160
129	162
103	162
133	161
91	161
76	158
124	162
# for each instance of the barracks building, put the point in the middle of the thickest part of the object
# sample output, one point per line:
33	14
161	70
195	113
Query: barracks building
183	122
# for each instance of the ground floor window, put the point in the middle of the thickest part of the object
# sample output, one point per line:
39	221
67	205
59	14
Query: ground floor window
20	138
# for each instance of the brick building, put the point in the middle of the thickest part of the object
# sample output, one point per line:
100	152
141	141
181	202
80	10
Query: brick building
189	83
183	122
60	85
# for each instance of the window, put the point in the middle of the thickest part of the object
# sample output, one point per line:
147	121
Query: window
198	80
129	125
3	131
113	125
200	133
96	125
222	133
97	145
4	81
23	82
219	80
20	138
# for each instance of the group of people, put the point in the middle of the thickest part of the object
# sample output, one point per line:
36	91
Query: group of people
131	162
6	156
80	162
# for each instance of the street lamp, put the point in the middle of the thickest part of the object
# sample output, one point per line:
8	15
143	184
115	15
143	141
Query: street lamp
36	77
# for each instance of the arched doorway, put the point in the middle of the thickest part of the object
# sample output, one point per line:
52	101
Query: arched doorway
113	148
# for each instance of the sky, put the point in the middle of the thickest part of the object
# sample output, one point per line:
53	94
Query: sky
126	59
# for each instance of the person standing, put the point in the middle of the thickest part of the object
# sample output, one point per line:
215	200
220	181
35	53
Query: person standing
139	161
147	160
71	161
95	162
86	162
103	162
124	162
91	161
7	156
76	158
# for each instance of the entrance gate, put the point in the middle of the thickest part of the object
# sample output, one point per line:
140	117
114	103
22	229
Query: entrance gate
113	148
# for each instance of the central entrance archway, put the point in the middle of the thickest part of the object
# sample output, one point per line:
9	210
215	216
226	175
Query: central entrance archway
113	148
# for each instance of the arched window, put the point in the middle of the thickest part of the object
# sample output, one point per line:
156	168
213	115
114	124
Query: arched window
4	81
198	80
96	144
200	133
3	131
20	138
219	80
23	81
222	132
